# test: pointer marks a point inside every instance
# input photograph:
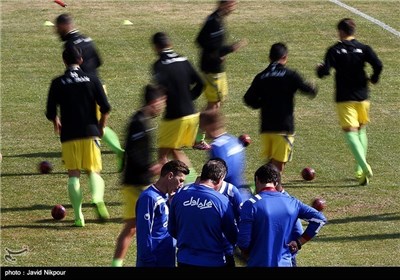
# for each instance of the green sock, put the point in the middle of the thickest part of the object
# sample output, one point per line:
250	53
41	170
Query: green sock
200	136
357	149
97	186
112	141
117	263
362	135
75	196
192	176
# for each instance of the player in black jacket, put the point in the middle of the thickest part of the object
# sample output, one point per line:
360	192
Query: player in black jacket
139	169
273	91
214	49
179	126
91	62
349	57
76	95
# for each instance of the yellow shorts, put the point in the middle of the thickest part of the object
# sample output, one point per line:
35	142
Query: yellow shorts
178	133
277	146
216	86
353	113
130	196
82	154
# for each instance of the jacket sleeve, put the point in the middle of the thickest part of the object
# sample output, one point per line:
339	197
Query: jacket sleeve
51	106
316	220
324	68
144	225
252	97
376	64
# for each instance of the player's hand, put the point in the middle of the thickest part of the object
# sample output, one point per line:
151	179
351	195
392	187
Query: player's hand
293	246
57	126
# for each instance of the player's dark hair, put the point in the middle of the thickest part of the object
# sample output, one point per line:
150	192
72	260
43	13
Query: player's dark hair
153	92
347	25
214	170
268	173
72	55
175	166
64	19
277	51
221	160
161	40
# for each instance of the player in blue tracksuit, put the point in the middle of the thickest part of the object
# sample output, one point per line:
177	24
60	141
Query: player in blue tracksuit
155	246
267	221
201	218
227	147
152	235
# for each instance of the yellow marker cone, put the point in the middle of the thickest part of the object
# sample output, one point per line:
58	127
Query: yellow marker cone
127	22
48	23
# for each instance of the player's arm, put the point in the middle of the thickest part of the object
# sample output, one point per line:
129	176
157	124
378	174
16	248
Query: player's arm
51	108
251	97
316	220
376	64
144	225
102	102
323	69
196	81
305	87
245	228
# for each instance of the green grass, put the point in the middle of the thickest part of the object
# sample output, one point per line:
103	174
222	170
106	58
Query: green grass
364	222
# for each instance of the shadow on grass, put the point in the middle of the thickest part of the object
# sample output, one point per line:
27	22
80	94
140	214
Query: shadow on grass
32	174
369	237
49	207
342	183
370	218
45	155
36	155
62	224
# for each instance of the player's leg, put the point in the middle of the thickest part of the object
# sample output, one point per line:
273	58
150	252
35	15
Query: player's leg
363	118
130	196
71	156
92	164
216	90
75	196
176	134
348	118
112	141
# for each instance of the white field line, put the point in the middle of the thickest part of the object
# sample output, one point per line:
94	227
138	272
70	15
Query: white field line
377	22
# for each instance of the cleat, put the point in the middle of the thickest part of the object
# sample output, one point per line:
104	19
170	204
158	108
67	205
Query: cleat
79	223
358	174
202	146
364	181
101	211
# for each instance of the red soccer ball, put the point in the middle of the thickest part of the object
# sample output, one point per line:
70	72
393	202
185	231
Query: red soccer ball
58	212
45	167
308	174
245	139
319	204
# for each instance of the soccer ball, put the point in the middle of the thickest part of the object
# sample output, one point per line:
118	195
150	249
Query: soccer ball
318	204
45	167
58	212
308	174
245	139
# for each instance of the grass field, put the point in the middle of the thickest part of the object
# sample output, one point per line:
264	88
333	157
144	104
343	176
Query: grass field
363	222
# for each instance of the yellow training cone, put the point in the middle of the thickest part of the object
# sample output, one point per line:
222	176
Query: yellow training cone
48	23
127	22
